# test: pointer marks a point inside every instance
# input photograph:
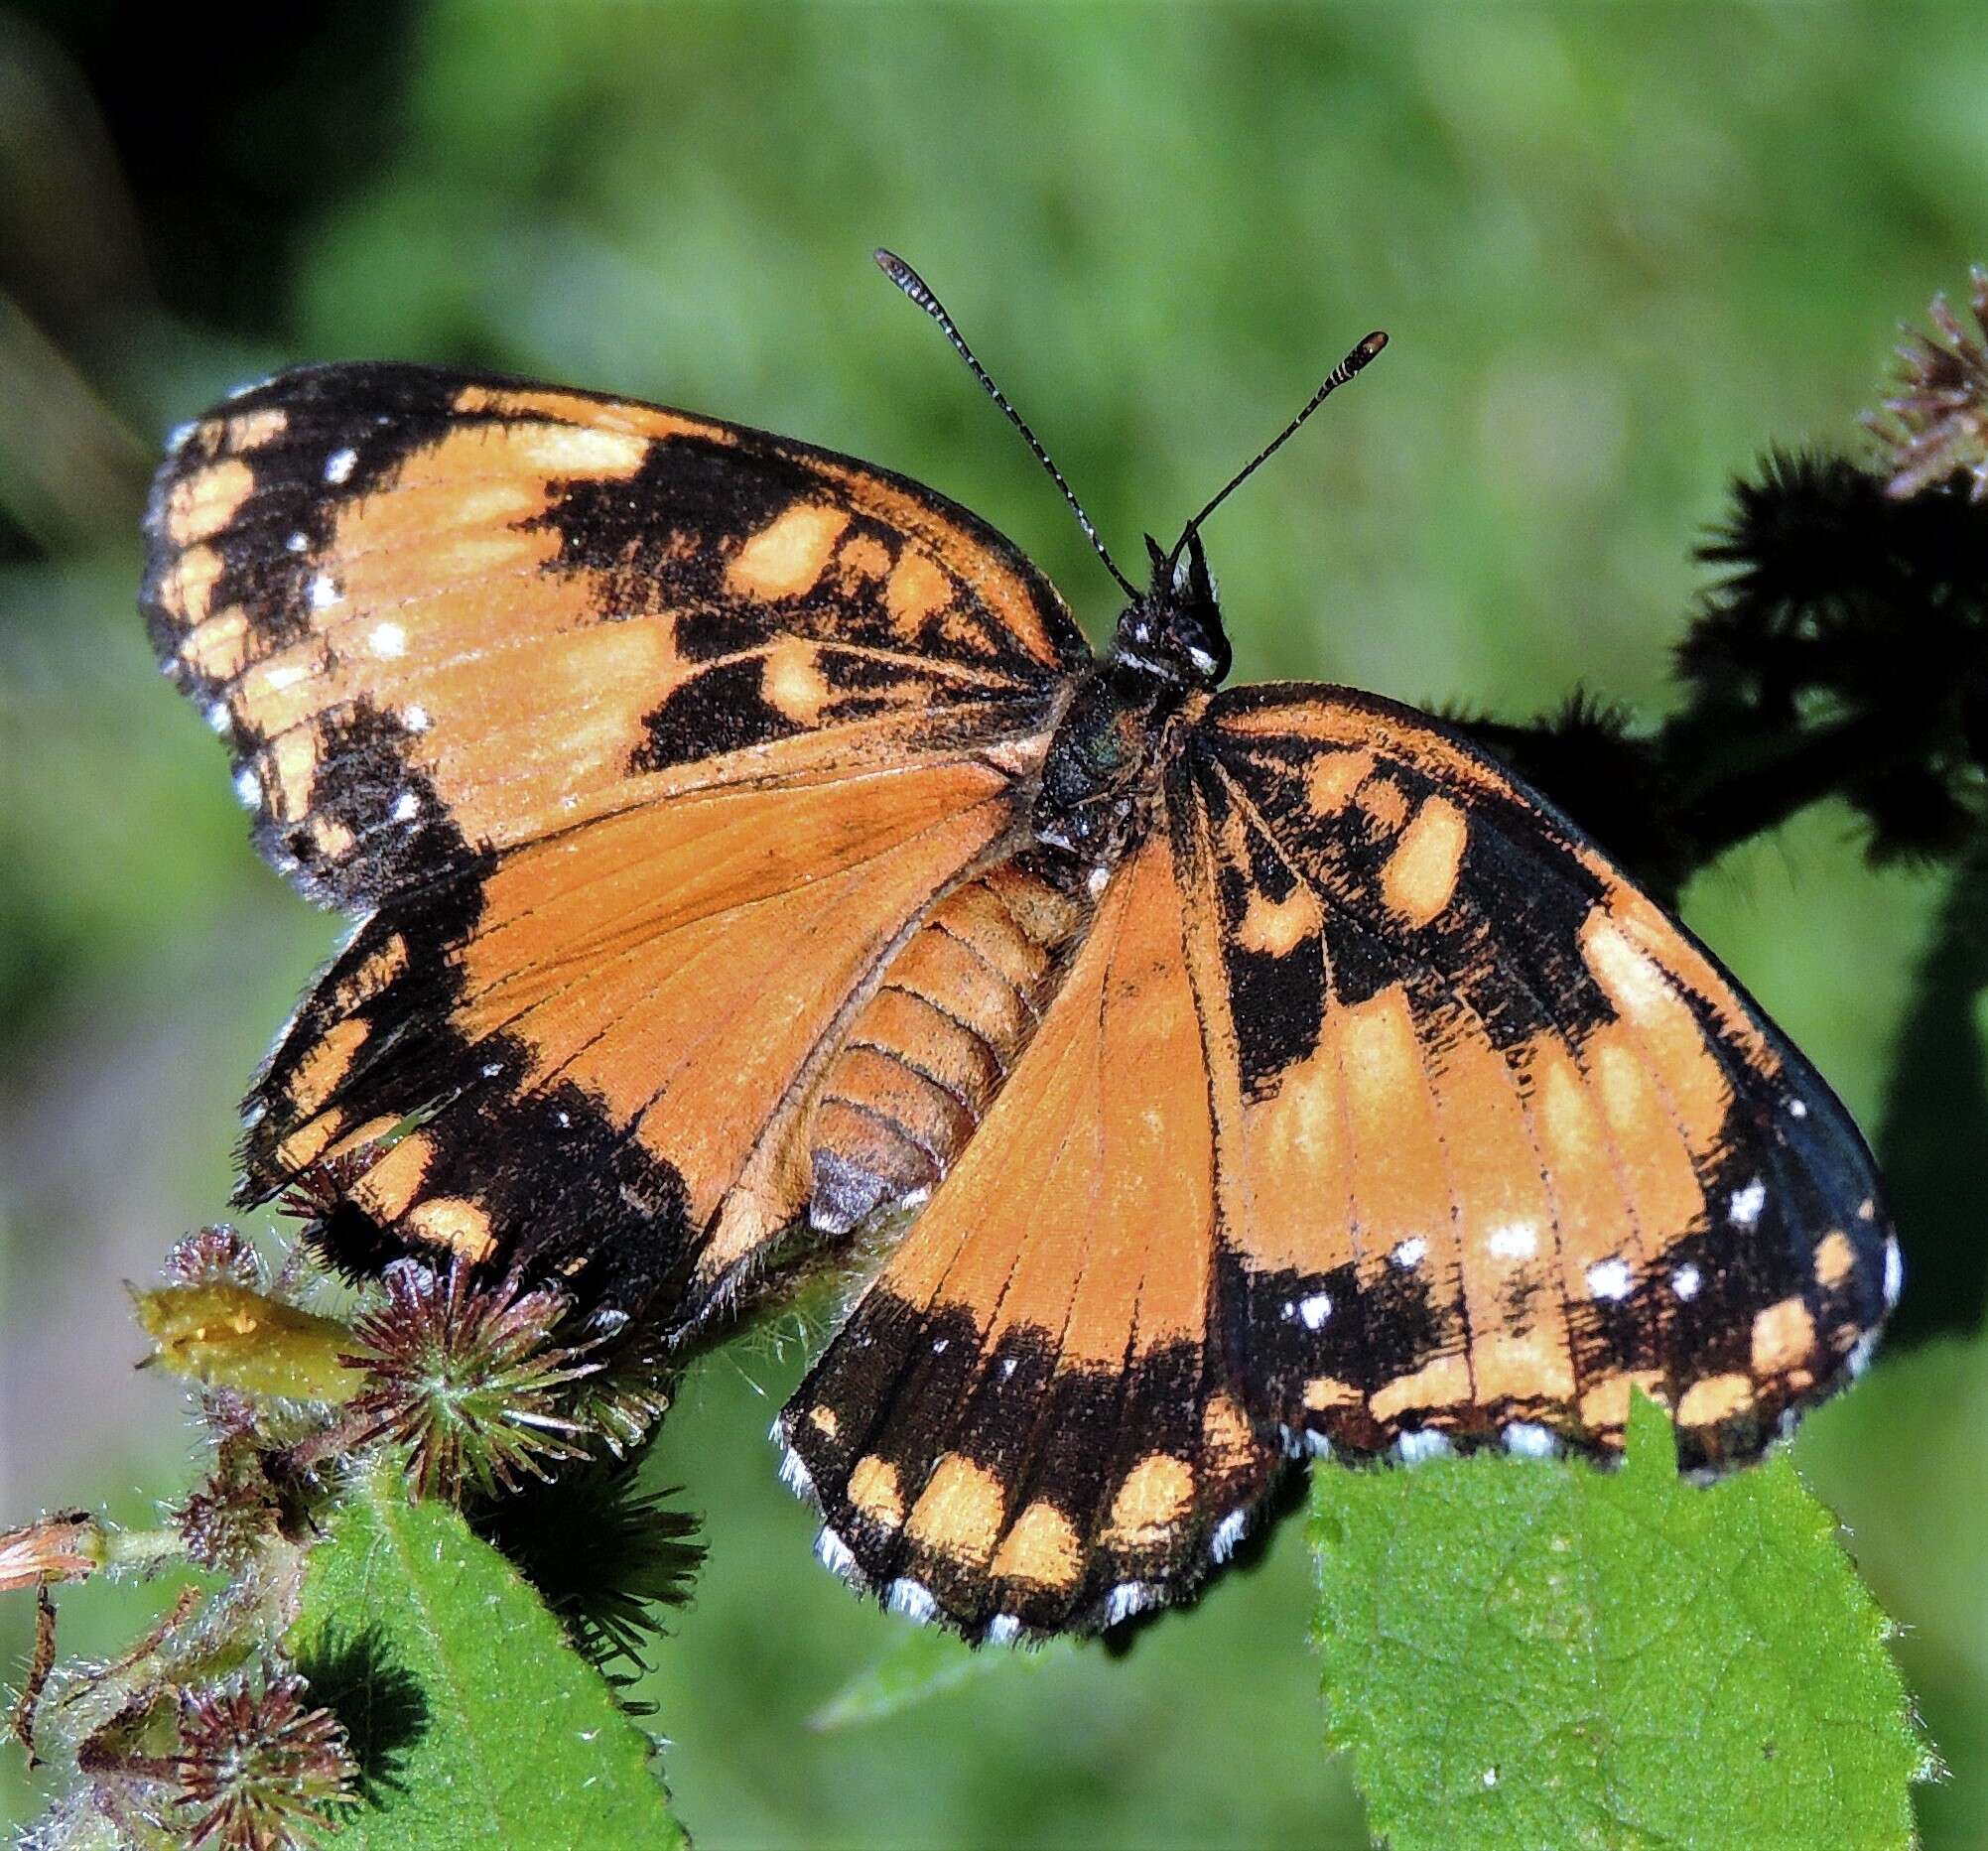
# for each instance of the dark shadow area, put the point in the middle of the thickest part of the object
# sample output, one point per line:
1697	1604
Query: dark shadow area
1935	1115
604	1554
377	1702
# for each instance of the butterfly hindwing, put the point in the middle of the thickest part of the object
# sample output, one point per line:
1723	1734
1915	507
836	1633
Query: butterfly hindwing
581	697
1026	1421
1378	1112
1497	1137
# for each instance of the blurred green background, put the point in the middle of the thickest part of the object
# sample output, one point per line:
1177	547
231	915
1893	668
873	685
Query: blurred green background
1620	249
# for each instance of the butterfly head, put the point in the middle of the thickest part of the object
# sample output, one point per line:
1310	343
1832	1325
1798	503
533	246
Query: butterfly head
1174	629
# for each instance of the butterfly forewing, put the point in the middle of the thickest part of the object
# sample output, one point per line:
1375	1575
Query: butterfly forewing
646	734
1498	1138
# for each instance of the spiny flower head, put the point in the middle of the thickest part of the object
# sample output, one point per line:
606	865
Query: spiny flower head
259	1769
627	1400
318	1188
463	1377
216	1255
1939	422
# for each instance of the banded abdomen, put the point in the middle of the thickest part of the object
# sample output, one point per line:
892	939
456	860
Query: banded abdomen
927	1053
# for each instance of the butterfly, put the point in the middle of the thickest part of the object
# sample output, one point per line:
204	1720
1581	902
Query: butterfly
749	852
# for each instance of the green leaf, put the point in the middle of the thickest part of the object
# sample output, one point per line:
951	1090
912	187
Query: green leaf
919	1663
475	1722
1520	1653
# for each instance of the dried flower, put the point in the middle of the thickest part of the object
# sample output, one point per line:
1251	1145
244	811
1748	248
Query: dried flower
228	1516
58	1548
260	1770
463	1377
1939	422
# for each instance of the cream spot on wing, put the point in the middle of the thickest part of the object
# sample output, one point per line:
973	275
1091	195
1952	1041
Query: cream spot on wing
1634	982
1150	1502
787	557
219	648
577	450
1419	876
960	1511
294	761
387	640
454	1222
1714	1398
202	505
1040	1550
874	1491
792	681
1784	1337
1334	777
1277	927
250	430
916	589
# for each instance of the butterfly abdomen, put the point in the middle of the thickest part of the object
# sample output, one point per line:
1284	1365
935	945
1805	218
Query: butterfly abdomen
926	1055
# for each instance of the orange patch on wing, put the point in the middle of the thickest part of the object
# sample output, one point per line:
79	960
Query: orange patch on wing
201	504
1714	1399
787	555
1384	799
874	1491
454	1222
793	682
1277	927
916	589
1133	1272
1648	1003
1150	1502
317	1076
1834	1259
1784	1338
1419	876
1605	1405
959	1512
1040	1550
686	963
1438	1386
1333	777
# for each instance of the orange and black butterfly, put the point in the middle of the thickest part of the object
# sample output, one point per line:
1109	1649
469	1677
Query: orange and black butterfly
747	847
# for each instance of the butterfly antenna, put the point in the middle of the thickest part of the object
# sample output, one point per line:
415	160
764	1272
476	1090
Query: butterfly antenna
915	287
1338	375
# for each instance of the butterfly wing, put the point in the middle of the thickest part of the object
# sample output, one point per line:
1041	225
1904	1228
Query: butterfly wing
1378	1110
1497	1137
625	726
1026	1421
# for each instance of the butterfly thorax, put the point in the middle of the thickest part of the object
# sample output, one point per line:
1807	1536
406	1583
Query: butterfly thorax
1102	773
